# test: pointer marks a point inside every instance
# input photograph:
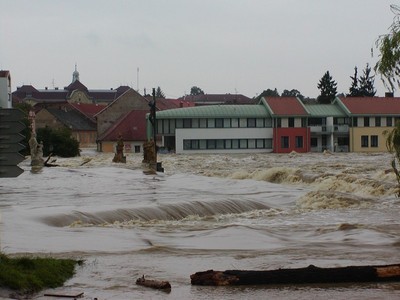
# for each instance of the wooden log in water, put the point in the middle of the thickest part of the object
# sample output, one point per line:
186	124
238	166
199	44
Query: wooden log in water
155	284
310	274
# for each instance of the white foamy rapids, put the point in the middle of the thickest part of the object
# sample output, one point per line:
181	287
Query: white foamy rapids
317	200
362	175
163	212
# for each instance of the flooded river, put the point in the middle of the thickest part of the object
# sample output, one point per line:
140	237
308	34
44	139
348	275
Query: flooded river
255	211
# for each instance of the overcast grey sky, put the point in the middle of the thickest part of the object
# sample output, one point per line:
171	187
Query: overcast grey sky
222	46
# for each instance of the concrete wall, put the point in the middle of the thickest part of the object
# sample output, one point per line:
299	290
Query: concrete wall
221	133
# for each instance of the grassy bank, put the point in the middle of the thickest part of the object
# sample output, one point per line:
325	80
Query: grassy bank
30	275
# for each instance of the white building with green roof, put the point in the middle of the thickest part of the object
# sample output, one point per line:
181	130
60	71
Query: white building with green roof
254	128
216	129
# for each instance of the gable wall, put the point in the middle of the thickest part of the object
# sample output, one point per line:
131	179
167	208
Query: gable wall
44	118
127	102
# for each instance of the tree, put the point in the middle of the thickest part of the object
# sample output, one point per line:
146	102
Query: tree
292	93
195	90
268	93
327	86
354	90
159	93
393	146
389	46
366	81
58	142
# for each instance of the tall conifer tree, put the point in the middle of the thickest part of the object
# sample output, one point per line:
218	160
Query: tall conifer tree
366	81
354	90
327	86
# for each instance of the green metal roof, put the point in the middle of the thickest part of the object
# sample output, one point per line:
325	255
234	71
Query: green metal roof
323	110
215	111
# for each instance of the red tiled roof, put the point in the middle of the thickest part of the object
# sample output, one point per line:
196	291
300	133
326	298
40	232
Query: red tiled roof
88	110
131	126
372	105
286	106
76	85
164	104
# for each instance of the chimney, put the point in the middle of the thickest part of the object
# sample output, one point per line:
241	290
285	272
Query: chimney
389	94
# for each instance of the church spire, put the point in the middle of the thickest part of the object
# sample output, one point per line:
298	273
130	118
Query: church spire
75	74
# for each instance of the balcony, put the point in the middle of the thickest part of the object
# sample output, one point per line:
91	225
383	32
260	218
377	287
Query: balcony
325	129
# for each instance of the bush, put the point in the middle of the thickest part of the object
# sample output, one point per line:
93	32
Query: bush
58	142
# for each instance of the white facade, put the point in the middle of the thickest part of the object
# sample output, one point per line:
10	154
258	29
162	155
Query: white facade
5	90
223	134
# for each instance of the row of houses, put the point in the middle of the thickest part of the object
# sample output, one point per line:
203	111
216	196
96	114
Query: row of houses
281	125
227	123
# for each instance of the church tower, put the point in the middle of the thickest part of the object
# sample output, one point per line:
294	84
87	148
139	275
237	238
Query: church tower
75	75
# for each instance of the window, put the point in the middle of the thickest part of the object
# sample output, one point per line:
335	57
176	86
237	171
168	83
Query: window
377	123
251	143
374	141
227	123
303	122
251	123
211	123
235	144
228	144
299	141
355	122
364	141
279	122
172	126
159	126
195	144
268	143
186	144
291	122
137	149
243	123
268	123
165	128
389	121
203	123
187	123
179	123
259	123
284	142
314	142
195	123
366	121
260	143
211	144
235	123
219	123
203	144
220	144
243	144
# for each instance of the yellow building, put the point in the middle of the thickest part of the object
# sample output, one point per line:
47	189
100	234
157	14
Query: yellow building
370	118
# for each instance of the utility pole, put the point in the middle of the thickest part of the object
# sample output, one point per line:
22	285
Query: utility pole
153	120
137	79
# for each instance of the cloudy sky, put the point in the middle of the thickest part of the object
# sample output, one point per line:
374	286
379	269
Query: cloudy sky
222	46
